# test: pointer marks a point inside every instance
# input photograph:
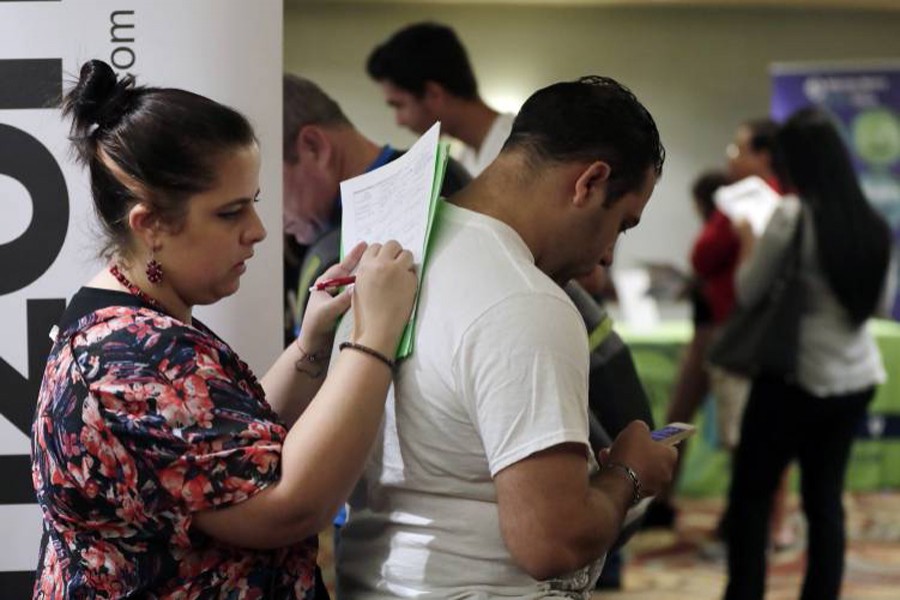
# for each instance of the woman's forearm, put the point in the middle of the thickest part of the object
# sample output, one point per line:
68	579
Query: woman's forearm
322	458
294	379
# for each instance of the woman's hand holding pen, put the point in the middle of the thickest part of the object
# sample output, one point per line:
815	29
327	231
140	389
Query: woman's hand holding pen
323	308
383	296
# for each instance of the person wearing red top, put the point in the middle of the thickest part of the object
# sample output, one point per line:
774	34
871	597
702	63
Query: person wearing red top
714	258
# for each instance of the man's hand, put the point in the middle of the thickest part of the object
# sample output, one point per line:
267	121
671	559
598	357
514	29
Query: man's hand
653	462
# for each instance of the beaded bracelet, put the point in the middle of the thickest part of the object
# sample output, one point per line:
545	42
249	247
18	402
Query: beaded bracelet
371	352
632	476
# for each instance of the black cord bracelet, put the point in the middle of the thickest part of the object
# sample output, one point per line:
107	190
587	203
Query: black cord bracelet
371	352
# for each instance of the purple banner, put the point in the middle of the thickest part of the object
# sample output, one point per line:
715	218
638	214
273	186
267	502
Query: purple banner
865	103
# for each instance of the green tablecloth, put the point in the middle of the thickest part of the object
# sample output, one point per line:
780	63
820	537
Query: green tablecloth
874	463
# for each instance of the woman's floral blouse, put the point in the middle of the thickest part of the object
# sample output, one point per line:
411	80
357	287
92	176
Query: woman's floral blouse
141	422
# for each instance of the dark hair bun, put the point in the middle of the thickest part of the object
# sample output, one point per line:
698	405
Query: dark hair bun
99	98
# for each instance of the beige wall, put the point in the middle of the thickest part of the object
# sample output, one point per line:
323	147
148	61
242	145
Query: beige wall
699	71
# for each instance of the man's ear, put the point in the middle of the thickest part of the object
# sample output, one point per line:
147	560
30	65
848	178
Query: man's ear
435	95
313	143
590	181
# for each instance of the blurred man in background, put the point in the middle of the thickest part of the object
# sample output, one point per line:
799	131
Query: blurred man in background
425	75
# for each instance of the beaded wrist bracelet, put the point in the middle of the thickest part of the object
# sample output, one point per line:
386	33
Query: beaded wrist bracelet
391	364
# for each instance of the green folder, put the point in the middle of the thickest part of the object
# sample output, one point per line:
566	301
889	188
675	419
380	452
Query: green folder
405	347
443	153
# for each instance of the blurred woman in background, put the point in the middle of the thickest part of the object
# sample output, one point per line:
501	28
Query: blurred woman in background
813	417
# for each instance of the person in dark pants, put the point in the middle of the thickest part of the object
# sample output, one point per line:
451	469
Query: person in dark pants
812	414
819	433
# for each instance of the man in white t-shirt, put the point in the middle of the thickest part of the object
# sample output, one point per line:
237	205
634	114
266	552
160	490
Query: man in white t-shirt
483	483
425	75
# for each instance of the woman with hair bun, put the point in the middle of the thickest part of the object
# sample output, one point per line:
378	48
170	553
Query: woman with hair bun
162	466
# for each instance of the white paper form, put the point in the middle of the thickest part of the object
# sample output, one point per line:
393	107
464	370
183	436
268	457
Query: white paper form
750	199
397	201
393	202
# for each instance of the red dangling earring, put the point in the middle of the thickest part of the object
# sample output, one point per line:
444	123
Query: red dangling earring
154	270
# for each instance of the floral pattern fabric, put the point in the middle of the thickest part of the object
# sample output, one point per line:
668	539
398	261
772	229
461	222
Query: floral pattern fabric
141	422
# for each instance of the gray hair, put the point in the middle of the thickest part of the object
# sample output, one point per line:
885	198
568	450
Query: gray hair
306	104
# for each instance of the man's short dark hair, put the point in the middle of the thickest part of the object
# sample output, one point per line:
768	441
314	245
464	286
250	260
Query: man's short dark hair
421	53
593	118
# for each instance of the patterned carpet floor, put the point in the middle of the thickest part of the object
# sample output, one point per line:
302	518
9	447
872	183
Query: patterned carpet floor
685	564
682	564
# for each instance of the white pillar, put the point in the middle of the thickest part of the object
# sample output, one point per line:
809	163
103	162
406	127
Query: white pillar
229	50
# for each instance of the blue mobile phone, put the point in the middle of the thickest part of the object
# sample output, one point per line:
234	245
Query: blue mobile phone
673	433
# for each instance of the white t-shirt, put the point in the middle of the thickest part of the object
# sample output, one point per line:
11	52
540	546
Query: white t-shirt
476	161
499	372
834	355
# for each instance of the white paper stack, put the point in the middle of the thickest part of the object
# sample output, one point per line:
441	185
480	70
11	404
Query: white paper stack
751	200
